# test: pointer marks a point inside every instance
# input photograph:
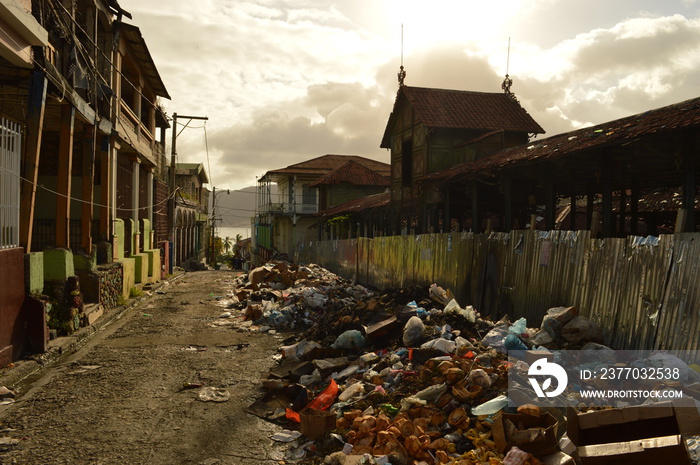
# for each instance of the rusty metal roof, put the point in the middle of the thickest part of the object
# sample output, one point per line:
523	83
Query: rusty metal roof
619	132
354	173
357	205
322	165
459	109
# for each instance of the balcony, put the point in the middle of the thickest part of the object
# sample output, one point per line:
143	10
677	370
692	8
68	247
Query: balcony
289	208
134	132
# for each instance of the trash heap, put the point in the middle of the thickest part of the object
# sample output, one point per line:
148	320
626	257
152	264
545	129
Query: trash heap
405	376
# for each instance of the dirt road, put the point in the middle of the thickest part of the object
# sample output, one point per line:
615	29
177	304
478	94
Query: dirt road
128	396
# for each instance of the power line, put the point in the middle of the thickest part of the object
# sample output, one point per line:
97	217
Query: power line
41	186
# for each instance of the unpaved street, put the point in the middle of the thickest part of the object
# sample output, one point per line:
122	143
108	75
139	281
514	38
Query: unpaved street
130	396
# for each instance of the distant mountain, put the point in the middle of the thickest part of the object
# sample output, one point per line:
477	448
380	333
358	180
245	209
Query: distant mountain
236	209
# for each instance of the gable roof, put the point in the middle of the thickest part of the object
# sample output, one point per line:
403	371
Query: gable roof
354	173
459	109
324	164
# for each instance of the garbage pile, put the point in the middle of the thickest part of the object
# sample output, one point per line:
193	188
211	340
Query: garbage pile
406	376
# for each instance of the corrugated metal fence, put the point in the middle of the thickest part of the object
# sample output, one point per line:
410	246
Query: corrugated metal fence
645	292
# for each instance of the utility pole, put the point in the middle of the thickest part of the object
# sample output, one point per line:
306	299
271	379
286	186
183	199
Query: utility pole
173	154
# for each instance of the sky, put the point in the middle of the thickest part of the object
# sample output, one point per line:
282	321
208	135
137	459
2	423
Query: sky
285	81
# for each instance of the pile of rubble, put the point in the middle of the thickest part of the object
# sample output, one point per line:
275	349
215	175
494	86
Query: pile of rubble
405	376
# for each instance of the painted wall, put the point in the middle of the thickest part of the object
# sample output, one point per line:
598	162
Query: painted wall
12	328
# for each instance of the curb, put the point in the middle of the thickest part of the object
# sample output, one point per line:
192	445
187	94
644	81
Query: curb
13	376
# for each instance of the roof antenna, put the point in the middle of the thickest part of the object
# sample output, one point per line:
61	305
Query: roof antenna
402	73
508	82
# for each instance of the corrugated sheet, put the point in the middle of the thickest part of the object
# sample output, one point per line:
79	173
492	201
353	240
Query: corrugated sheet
645	293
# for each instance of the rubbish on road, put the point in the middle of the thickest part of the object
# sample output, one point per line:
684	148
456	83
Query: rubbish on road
213	394
413	332
315	424
636	434
408	375
286	436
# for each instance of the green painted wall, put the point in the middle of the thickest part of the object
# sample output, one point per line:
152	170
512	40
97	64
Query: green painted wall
58	264
118	228
34	272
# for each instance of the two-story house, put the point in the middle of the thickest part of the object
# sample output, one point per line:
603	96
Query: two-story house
284	219
81	88
191	213
430	130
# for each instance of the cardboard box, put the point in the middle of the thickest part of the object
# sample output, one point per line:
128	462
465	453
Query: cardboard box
315	424
557	458
659	450
635	435
534	434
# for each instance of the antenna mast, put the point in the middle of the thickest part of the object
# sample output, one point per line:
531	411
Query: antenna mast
402	73
508	82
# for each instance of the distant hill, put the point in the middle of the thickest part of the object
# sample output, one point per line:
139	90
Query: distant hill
236	209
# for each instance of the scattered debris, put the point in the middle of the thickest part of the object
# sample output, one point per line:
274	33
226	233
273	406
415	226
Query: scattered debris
402	376
213	394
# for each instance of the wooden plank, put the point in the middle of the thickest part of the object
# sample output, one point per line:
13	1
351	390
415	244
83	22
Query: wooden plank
65	165
35	126
105	195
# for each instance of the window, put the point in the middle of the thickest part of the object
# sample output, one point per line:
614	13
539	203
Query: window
10	156
407	163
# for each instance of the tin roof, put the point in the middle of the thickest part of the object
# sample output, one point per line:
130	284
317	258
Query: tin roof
620	132
357	205
459	109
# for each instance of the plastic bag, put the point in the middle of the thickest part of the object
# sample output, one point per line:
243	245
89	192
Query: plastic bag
350	340
495	339
513	342
413	332
351	391
490	407
519	327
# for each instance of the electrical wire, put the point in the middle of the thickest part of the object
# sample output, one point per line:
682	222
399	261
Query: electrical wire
41	186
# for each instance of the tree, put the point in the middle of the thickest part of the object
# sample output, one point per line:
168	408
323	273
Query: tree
236	245
227	245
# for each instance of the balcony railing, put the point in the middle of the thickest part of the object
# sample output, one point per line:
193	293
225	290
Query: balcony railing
289	208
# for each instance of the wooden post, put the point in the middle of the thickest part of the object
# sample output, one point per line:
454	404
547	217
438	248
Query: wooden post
533	221
507	203
595	224
606	169
89	148
622	223
105	194
35	126
573	209
634	205
135	191
65	166
680	220
551	200
590	205
447	219
475	207
689	187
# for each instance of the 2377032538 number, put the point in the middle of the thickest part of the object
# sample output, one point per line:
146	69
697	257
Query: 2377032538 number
636	373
